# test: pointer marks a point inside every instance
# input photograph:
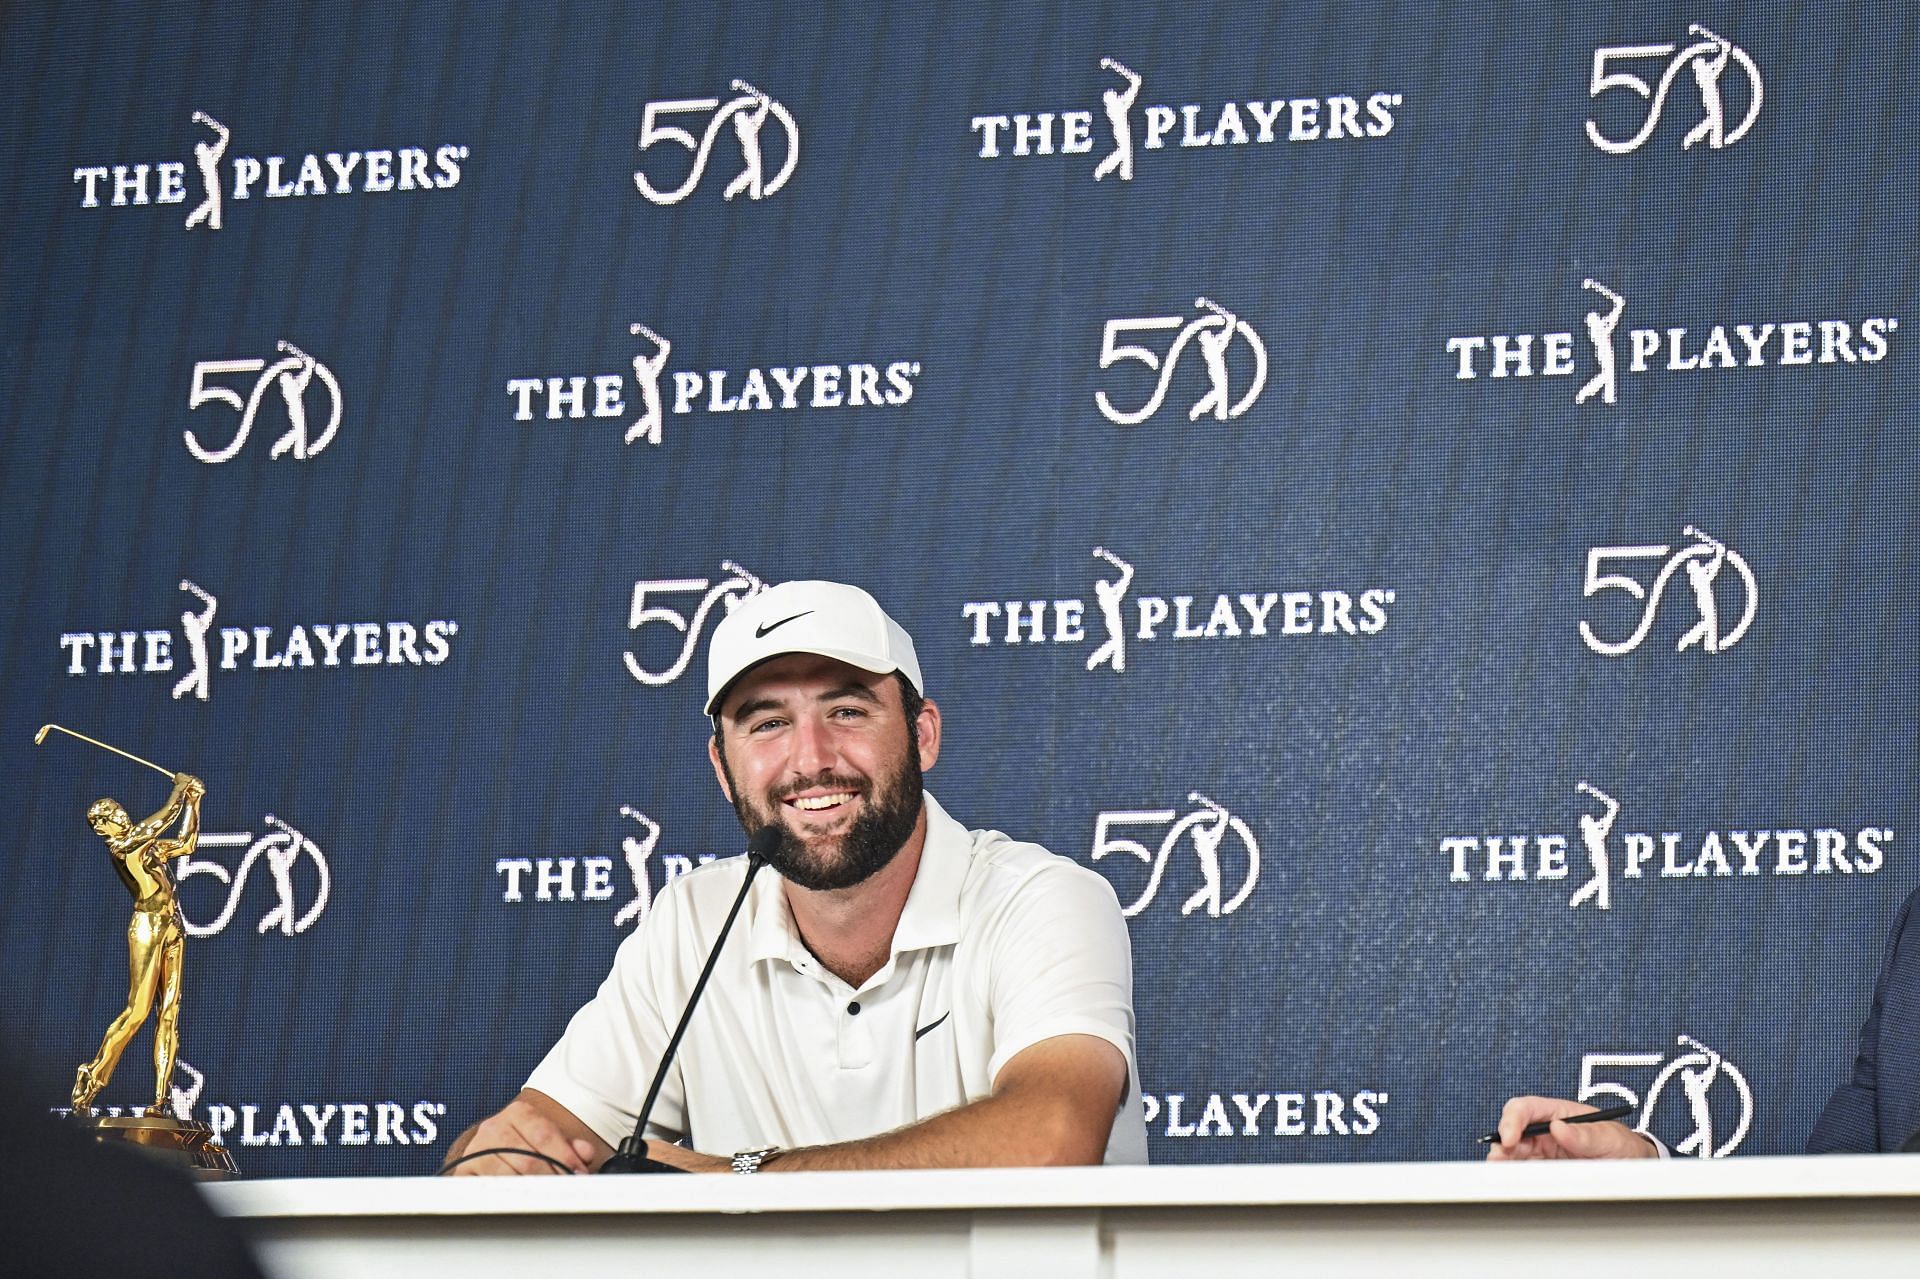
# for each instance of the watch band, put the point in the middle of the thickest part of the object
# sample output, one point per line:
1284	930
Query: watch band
747	1161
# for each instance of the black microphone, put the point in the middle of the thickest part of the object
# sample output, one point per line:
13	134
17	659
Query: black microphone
632	1153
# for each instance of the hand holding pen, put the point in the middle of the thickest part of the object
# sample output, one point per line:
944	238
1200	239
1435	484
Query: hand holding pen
1554	1128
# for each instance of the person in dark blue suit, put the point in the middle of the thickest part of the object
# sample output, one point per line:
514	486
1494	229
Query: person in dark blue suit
1877	1109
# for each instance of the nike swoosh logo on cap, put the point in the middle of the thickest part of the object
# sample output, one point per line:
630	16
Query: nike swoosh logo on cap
932	1025
761	632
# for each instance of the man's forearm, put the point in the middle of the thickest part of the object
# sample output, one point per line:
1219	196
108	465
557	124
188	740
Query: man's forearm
1055	1103
994	1132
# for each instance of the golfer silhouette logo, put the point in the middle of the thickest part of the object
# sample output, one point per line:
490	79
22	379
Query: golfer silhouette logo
293	374
636	852
1119	105
1215	330
1594	829
1600	327
294	911
1709	59
206	158
1698	1072
194	626
1719	1098
1208	827
734	585
1708	566
1110	595
647	369
749	113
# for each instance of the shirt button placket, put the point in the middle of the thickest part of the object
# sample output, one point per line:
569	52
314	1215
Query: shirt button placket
856	1040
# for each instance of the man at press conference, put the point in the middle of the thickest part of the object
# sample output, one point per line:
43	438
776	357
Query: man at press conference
905	993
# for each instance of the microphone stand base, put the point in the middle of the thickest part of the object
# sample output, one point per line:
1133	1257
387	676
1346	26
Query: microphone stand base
634	1161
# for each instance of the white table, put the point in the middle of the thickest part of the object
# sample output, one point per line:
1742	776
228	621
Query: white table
1755	1216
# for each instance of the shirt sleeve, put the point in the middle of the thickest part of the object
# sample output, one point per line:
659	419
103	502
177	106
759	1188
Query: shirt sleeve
602	1065
1062	965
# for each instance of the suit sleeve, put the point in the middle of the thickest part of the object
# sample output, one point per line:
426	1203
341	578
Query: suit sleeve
1850	1122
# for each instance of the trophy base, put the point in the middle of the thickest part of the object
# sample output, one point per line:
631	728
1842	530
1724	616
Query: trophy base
184	1146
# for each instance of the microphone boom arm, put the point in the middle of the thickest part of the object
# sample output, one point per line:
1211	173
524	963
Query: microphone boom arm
631	1156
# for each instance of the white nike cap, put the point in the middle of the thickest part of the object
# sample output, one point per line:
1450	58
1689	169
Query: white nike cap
829	618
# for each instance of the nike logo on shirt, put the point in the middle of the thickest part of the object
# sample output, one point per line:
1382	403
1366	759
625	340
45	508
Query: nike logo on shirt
932	1025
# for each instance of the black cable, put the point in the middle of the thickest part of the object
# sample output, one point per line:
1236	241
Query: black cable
451	1164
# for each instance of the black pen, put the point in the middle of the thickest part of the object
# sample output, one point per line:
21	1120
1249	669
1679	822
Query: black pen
1540	1129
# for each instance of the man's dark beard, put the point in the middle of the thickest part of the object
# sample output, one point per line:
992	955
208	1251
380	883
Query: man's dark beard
892	808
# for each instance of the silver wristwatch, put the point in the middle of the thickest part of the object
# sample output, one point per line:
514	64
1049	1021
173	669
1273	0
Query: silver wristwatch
750	1160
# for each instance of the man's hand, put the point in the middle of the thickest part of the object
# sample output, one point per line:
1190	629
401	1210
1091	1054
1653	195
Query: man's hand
531	1121
1564	1140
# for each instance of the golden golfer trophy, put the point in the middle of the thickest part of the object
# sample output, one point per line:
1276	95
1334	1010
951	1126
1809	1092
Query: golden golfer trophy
156	939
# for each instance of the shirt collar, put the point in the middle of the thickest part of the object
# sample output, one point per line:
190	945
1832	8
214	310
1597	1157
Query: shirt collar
931	916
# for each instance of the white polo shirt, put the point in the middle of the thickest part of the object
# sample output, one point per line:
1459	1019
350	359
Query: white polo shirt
1000	945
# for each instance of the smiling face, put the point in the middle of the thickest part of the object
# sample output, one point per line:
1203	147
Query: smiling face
824	752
